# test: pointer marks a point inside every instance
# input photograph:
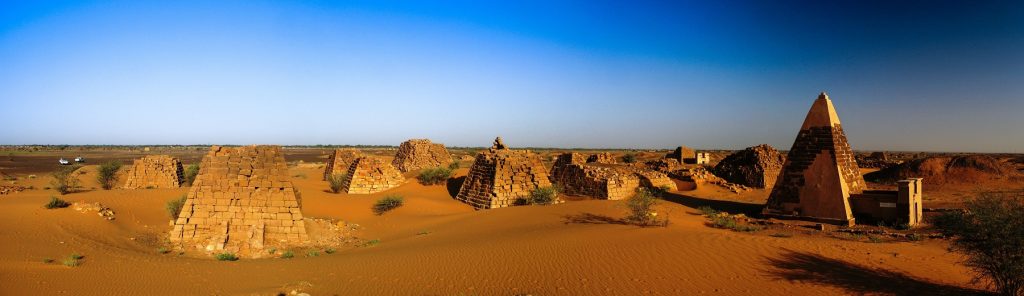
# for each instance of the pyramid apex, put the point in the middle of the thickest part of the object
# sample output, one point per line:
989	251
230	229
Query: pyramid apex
822	113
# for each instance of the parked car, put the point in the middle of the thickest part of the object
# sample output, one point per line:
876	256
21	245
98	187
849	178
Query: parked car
79	159
63	161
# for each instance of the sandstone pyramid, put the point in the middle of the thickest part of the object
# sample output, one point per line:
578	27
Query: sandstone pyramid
602	180
241	201
418	154
756	166
820	172
154	171
369	174
500	176
683	154
340	161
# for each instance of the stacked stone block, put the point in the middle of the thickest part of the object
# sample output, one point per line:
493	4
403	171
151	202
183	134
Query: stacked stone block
340	162
501	176
606	181
603	157
369	174
756	166
418	154
683	154
154	171
241	201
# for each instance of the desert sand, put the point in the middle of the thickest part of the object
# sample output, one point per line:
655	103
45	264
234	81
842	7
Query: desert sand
435	245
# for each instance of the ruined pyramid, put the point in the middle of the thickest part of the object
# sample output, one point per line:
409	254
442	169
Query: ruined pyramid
820	172
340	161
500	176
418	154
154	171
370	174
241	201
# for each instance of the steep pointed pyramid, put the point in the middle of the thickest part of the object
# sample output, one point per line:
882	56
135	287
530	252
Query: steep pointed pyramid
820	172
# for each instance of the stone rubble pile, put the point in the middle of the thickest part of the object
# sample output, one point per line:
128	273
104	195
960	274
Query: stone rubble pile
419	154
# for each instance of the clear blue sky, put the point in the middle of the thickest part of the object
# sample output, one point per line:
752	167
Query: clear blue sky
904	75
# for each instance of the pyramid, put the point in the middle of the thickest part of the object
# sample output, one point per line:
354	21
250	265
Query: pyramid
371	175
154	171
683	154
241	201
756	166
340	161
500	176
820	172
418	154
604	180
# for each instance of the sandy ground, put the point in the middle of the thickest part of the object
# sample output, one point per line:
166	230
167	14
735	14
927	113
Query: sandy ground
435	245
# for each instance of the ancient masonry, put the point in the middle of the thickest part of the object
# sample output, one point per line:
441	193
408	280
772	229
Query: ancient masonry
756	166
607	181
604	157
340	161
154	171
370	174
683	154
418	154
500	176
241	201
820	172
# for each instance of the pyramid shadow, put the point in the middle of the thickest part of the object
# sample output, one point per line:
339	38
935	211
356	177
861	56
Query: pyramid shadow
454	184
733	207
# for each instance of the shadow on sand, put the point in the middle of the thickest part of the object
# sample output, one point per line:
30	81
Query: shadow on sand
588	218
856	279
733	207
454	184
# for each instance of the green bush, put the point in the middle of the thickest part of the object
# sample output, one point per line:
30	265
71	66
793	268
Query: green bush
641	208
454	165
543	196
313	253
629	158
106	174
731	224
434	176
387	203
707	211
226	257
174	206
56	203
991	235
287	255
191	171
336	182
64	180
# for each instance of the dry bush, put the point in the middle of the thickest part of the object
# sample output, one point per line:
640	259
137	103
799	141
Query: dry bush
336	182
991	235
190	174
434	176
174	206
387	203
641	208
64	180
106	174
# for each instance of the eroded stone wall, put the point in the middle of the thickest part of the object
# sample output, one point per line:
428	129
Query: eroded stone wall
154	171
369	174
340	161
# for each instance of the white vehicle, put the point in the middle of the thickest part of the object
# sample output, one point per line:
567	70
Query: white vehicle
79	159
63	161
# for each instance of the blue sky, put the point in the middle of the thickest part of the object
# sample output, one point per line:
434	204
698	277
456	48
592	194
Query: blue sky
904	75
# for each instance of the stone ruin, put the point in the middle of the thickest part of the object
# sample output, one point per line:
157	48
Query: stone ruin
683	154
603	157
340	161
820	178
242	201
703	158
155	171
601	180
756	167
500	176
370	174
418	154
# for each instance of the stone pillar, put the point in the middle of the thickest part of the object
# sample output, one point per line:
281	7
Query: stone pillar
908	201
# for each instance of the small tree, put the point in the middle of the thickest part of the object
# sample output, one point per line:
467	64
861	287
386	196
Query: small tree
174	206
191	171
629	158
106	175
64	180
641	208
336	182
991	235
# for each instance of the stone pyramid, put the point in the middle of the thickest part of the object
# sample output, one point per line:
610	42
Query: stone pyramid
241	201
154	171
500	176
418	154
820	172
340	161
575	176
369	174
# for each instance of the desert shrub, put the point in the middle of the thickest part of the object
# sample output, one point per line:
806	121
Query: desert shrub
707	211
629	158
330	250
454	165
287	255
313	253
163	250
56	203
226	257
191	171
641	208
64	180
542	196
106	175
71	262
174	206
387	203
726	222
434	176
991	235
370	243
336	182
